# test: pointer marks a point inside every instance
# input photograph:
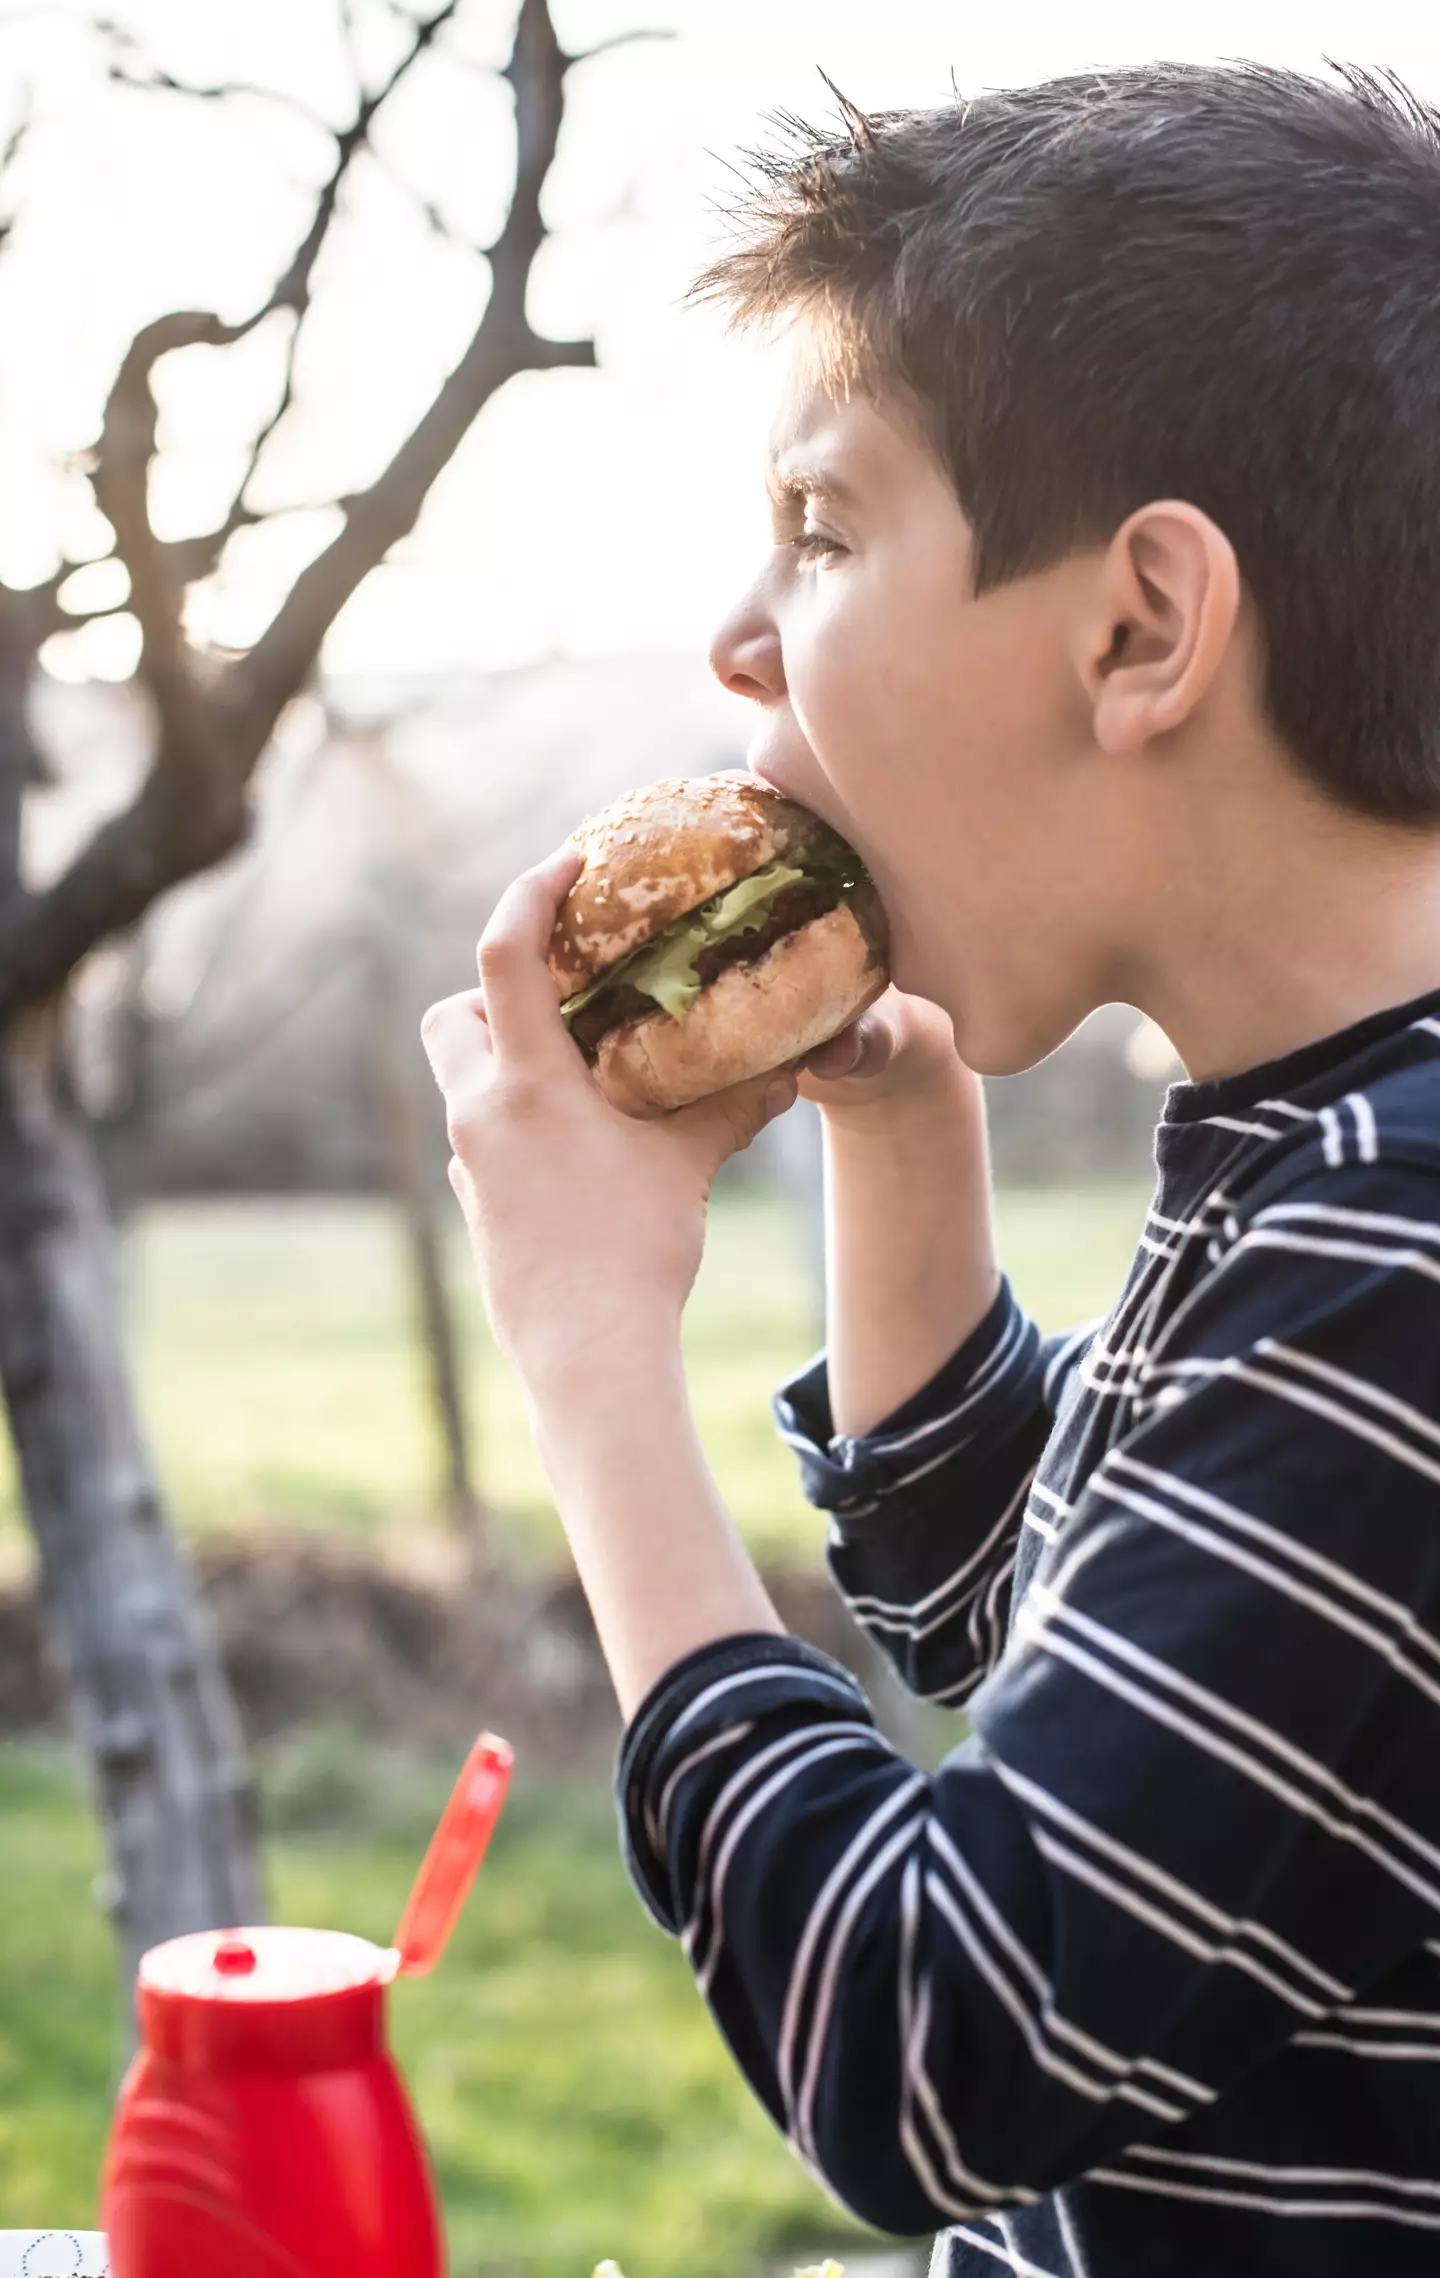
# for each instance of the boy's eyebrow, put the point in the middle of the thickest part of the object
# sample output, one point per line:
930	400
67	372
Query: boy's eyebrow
791	485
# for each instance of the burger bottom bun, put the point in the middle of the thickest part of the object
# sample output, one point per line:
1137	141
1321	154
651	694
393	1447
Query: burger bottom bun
753	1017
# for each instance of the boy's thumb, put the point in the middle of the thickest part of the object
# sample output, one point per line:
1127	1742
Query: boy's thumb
725	1124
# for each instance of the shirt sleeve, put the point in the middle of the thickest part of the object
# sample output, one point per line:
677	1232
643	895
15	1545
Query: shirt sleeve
926	1510
1197	1809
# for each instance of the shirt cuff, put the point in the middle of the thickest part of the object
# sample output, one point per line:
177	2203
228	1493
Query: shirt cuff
982	1395
722	1686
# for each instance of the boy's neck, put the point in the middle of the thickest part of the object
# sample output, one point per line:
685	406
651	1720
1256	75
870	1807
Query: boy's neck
1284	920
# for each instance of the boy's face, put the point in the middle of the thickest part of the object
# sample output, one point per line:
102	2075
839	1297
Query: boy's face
945	736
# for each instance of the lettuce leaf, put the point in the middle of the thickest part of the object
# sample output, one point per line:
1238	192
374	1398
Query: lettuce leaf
665	968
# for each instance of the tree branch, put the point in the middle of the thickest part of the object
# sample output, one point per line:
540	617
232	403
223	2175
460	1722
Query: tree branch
502	345
10	151
192	808
619	39
145	78
428	211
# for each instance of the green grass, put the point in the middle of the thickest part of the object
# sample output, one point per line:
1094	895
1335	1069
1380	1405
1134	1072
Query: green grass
281	1383
577	2098
575	2095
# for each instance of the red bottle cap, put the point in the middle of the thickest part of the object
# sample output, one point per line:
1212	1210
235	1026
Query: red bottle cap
453	1859
265	1998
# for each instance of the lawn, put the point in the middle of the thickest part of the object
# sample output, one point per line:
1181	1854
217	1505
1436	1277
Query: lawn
281	1383
576	2098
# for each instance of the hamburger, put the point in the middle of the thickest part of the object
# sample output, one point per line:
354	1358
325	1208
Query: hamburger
716	931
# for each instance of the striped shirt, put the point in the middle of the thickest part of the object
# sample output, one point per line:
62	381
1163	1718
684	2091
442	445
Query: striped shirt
1145	1978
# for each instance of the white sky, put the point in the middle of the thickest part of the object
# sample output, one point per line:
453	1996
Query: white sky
588	512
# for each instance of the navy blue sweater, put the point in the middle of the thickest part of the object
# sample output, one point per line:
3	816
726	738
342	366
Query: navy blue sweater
1145	1979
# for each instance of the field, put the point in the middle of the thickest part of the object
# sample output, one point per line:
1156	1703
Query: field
281	1383
577	2100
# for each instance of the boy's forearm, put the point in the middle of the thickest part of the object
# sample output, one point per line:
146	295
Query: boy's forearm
657	1552
910	1248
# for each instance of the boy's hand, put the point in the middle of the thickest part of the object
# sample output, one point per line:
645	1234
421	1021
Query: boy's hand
587	1225
899	1054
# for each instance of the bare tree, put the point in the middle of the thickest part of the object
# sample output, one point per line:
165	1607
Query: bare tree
145	1682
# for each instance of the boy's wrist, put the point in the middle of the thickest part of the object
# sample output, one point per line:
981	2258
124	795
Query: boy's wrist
587	1363
900	1109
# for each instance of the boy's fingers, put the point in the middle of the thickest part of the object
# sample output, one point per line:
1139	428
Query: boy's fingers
520	1001
456	1039
862	1049
721	1126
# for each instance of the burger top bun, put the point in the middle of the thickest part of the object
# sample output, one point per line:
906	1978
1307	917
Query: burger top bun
660	852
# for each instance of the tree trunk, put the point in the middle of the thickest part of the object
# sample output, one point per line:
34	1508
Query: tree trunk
397	1069
147	1691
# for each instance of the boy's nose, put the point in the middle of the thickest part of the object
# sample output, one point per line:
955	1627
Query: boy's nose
745	653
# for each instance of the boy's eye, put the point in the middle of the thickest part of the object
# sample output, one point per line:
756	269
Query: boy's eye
814	543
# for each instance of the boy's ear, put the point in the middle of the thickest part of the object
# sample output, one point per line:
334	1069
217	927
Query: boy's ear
1164	608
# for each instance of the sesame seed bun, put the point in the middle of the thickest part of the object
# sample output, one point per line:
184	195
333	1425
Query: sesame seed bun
660	852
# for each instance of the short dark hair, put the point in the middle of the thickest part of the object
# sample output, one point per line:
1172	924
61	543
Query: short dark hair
1219	283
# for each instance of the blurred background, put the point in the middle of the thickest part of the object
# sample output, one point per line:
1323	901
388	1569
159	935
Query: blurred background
367	497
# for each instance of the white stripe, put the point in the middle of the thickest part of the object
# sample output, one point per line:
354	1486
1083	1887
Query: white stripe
1260	1775
803	2118
658	1821
1057	1503
846	1865
1276	1578
989	1649
1225	1714
1360	1253
1363	1221
1393	1610
916	2152
1432	1025
1042	1527
1335	2209
1334	1139
891	1614
1339	1576
1358	1426
1085	2044
1189	1941
915	2081
1365	1131
1359	2016
1248	1130
1255	2171
750	1771
919	2087
1059	1363
1012	2259
723	1685
1095	2092
1359	1387
1286	1107
1414	2052
948	1696
705	1970
1199	1224
1159	1879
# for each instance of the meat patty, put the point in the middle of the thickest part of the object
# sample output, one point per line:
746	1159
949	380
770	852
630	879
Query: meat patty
808	898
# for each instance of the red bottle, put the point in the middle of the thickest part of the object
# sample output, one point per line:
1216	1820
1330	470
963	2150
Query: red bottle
263	2131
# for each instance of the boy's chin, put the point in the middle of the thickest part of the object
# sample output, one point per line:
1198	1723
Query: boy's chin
1005	1040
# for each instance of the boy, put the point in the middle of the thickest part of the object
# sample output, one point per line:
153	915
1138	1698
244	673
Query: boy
1102	617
